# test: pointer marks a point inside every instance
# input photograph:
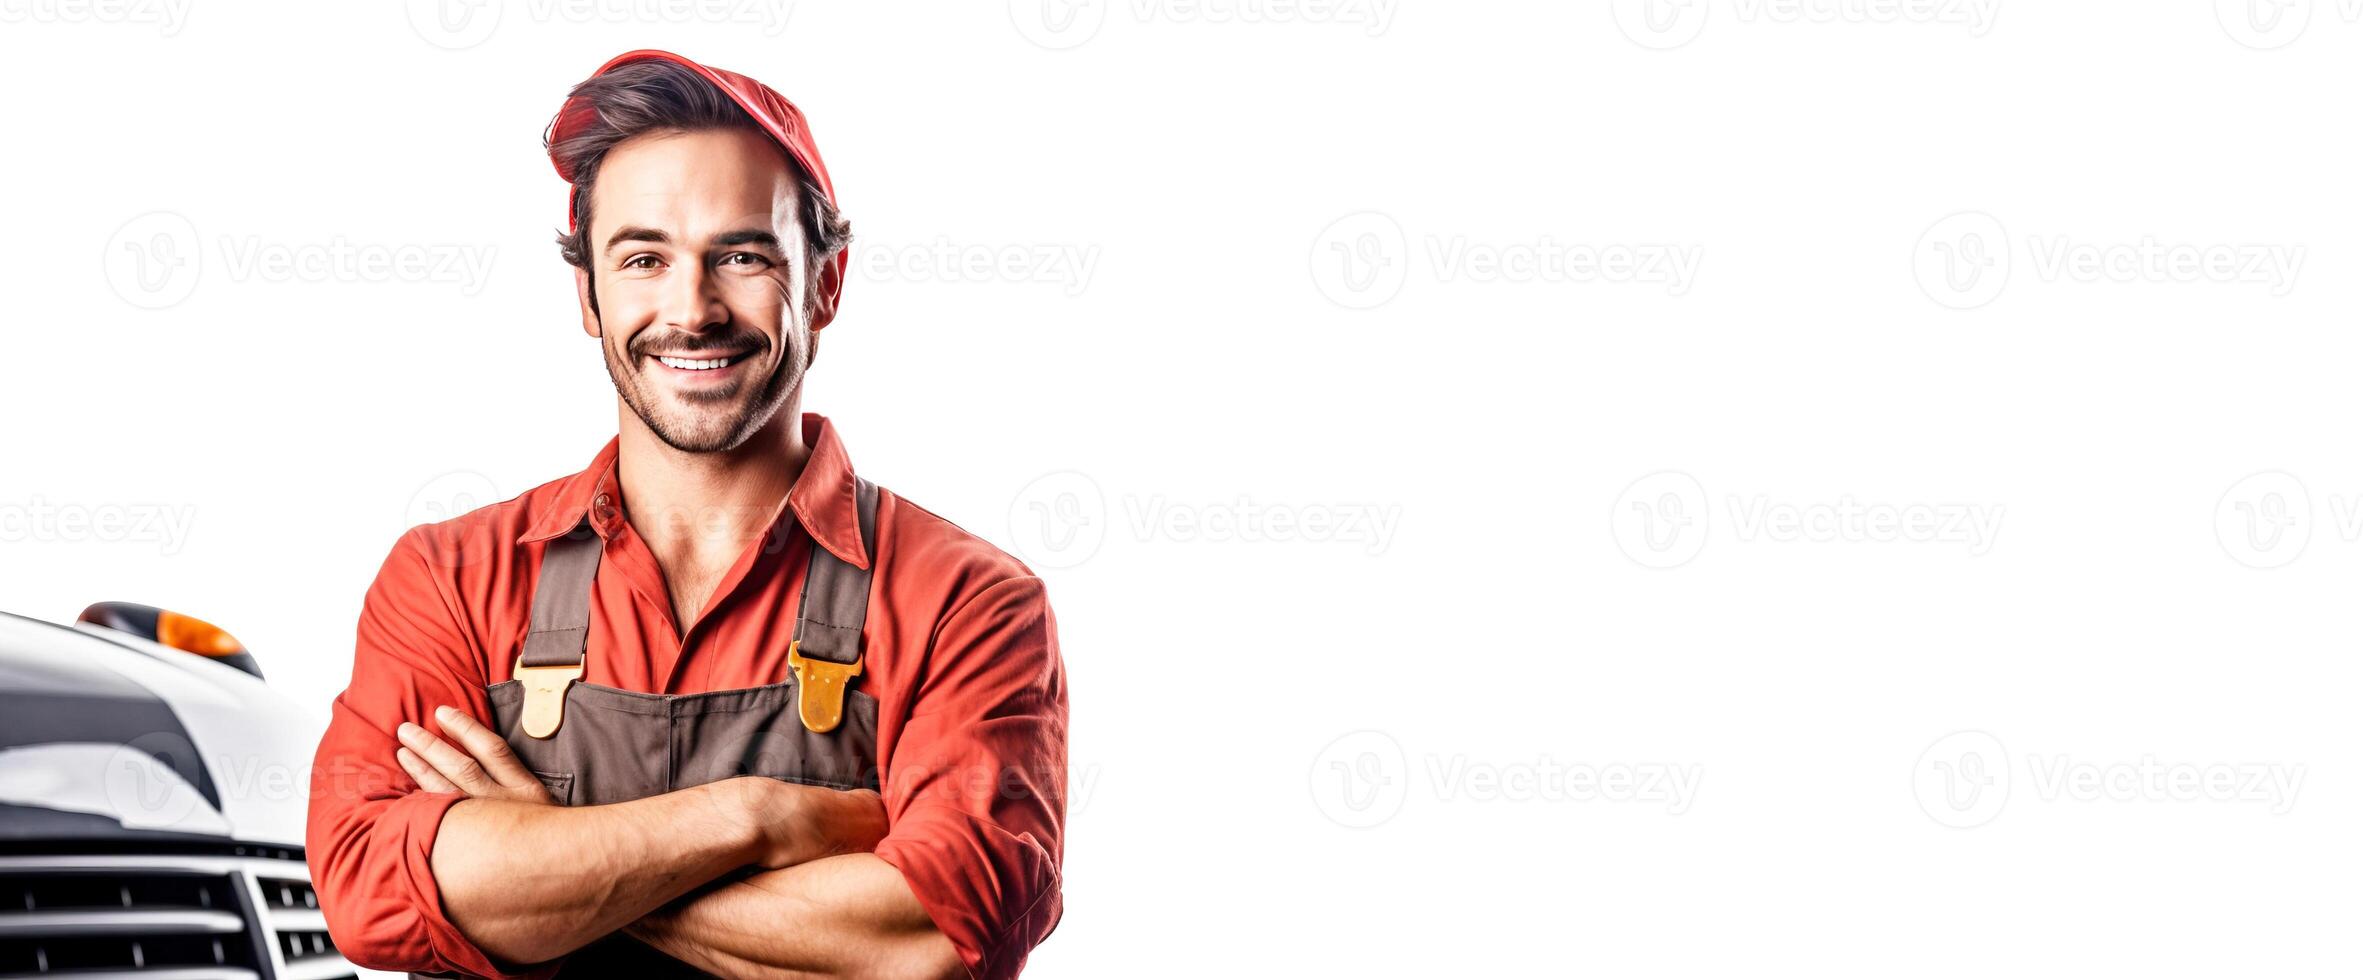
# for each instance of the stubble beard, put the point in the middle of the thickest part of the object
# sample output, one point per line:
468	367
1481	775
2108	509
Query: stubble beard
703	422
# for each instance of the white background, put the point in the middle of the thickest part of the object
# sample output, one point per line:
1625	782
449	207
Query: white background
1533	560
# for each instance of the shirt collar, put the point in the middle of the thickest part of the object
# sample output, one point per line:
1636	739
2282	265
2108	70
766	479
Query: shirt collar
823	498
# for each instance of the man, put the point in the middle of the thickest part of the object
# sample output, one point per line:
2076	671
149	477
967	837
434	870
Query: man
714	701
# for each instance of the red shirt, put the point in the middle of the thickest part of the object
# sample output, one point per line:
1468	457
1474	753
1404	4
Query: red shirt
961	653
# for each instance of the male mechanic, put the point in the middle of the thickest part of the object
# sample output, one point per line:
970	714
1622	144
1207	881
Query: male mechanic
715	703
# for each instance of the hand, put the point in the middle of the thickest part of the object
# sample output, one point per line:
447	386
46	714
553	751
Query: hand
487	769
797	823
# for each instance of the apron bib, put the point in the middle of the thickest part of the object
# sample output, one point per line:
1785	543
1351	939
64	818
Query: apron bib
592	744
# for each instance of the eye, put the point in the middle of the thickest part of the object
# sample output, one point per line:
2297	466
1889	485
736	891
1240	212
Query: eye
746	260
643	260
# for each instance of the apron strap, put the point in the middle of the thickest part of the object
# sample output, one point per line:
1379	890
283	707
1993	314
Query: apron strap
560	625
825	656
827	652
836	596
561	621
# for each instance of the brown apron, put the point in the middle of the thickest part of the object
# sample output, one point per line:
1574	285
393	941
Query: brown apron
610	745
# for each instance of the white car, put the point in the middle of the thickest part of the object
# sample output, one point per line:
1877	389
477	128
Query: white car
152	797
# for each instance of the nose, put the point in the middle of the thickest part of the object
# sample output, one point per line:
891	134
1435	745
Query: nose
690	301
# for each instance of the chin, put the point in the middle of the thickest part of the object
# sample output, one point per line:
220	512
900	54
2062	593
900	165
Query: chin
703	436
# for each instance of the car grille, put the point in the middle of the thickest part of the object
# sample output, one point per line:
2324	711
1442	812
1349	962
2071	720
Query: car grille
247	912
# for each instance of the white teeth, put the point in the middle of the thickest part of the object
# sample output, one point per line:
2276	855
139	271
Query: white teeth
689	365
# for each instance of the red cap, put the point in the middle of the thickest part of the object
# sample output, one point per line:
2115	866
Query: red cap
770	110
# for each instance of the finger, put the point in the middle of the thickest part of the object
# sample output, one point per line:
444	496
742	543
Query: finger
428	778
491	750
454	764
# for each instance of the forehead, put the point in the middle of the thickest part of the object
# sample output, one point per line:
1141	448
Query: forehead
694	183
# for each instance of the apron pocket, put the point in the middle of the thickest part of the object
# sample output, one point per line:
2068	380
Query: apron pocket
560	785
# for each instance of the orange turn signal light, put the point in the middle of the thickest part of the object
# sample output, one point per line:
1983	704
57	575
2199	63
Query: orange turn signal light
195	635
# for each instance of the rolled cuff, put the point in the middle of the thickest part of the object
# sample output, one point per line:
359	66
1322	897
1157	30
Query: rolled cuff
994	894
396	921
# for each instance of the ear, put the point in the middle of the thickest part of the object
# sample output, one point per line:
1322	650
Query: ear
824	303
582	296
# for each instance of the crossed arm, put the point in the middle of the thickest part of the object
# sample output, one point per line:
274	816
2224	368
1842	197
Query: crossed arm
528	881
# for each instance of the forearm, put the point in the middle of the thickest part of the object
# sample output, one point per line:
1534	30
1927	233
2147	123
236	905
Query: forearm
528	883
846	916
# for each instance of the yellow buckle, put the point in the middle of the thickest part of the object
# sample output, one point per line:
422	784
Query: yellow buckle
545	695
820	689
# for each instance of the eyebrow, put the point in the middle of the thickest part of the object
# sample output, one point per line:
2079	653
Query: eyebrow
744	236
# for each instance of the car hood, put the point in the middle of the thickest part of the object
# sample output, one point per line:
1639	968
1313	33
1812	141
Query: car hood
108	734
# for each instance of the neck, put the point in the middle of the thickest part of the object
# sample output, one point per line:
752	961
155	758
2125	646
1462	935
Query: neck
706	507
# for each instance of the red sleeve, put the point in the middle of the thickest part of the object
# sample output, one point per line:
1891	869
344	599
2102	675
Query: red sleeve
976	789
371	829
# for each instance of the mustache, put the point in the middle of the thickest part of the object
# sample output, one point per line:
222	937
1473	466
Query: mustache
731	343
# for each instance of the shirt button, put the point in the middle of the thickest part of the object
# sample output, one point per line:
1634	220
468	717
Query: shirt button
600	501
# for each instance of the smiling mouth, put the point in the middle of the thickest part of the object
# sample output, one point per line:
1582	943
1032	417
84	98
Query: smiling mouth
701	363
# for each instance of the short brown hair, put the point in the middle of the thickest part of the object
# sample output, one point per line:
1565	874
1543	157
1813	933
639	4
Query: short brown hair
657	96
